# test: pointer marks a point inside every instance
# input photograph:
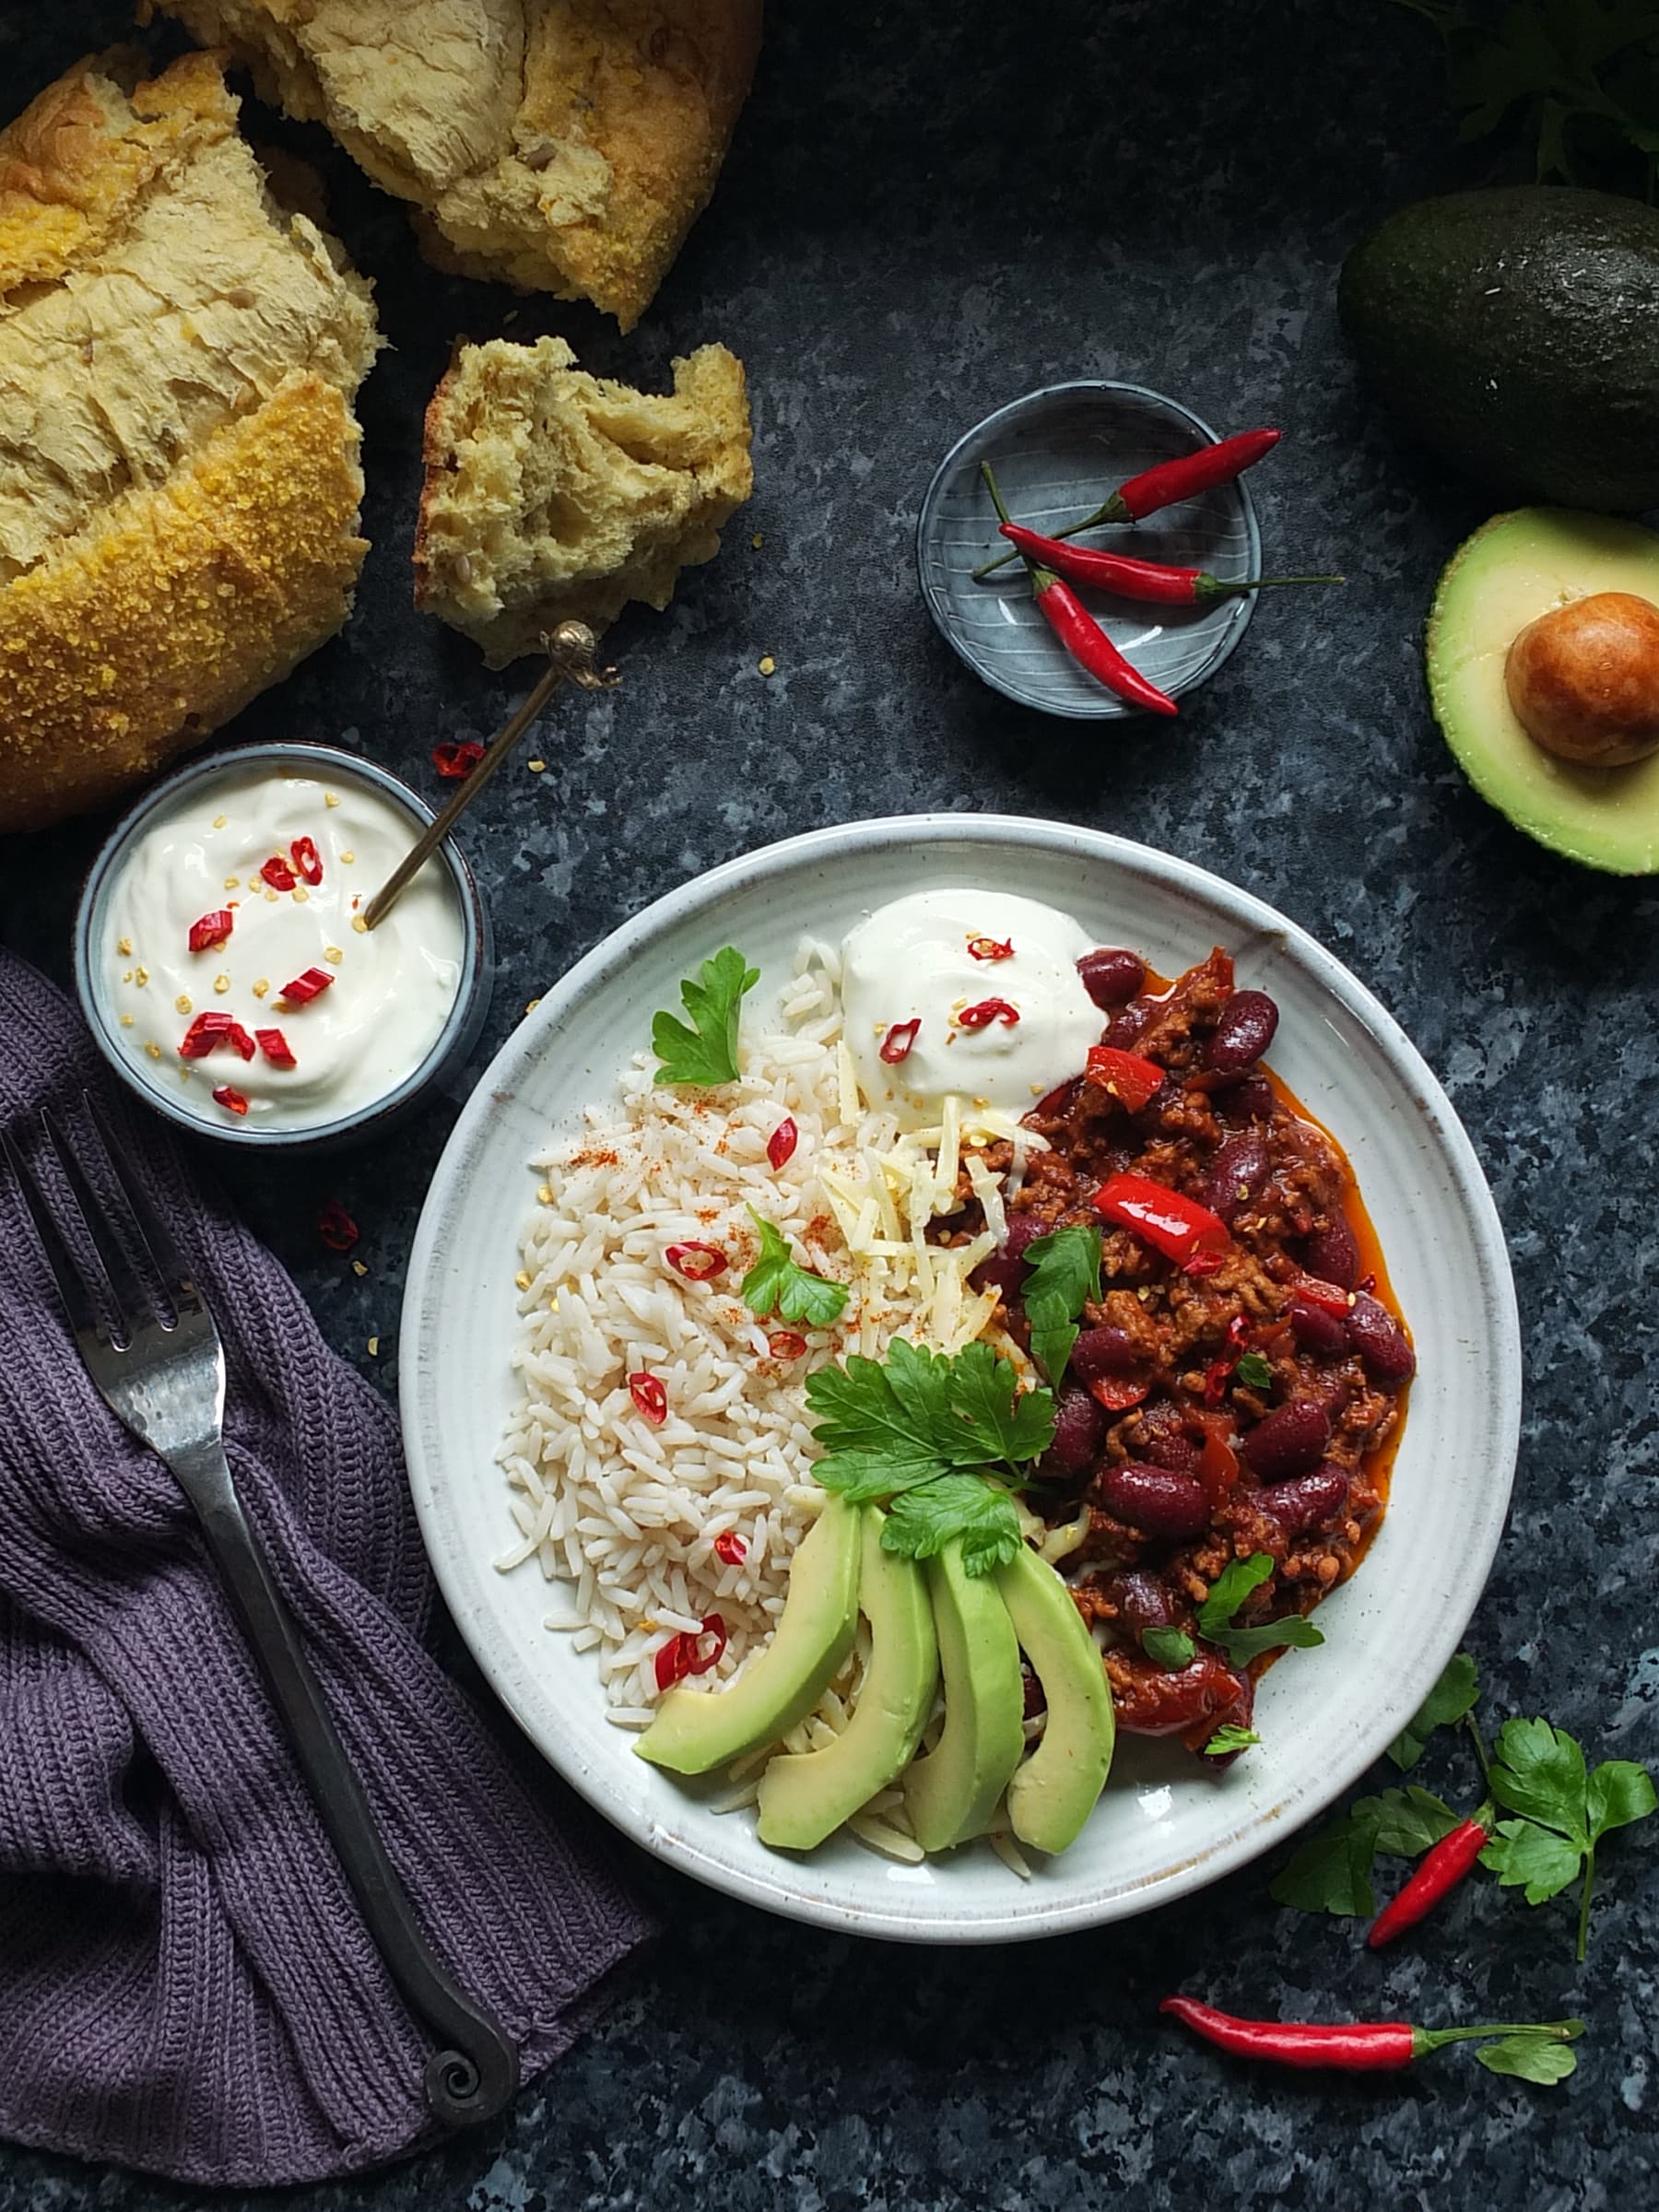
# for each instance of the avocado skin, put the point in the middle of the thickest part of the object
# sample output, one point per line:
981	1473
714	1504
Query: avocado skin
1517	331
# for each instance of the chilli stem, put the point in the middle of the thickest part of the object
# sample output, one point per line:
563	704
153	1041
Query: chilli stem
1102	514
1583	1921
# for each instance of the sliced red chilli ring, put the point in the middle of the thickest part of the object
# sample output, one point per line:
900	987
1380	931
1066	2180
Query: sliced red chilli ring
991	948
454	761
231	1100
650	1396
987	1011
238	1039
307	859
276	1048
683	1655
896	1044
203	1033
337	1228
784	1344
730	1547
697	1263
306	986
780	1143
278	875
212	930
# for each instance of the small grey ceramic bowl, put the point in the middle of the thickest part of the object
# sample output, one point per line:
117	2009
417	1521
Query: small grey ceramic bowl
454	1040
1057	453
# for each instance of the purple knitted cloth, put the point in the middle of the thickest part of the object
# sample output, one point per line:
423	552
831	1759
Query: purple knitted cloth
185	1984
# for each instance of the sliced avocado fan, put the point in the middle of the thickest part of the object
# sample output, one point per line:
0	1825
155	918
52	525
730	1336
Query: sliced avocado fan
951	1793
1053	1795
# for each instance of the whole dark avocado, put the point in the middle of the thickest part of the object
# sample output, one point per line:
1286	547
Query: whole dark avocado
1517	331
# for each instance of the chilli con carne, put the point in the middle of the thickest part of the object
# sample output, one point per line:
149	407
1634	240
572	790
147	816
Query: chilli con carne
1235	1393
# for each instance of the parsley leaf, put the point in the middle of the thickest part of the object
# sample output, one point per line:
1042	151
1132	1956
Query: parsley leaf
1524	1856
777	1283
1454	1695
1228	1593
920	1523
1409	1821
1538	1773
1229	1737
1330	1872
1617	1792
1254	1371
1528	2057
707	1052
1063	1274
1171	1648
924	1429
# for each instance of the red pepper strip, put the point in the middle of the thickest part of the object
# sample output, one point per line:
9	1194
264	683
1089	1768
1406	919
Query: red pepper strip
730	1547
896	1044
1131	1080
1355	2046
649	1395
1176	1225
306	986
1328	1297
337	1228
211	931
1453	1857
780	1143
987	1011
697	1263
306	859
1218	1468
991	948
233	1100
1117	1393
1150	580
278	875
1187	474
1090	647
276	1048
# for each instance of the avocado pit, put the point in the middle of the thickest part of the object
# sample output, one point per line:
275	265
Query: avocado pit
1584	679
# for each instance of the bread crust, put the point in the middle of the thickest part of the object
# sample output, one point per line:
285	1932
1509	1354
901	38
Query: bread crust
137	639
581	176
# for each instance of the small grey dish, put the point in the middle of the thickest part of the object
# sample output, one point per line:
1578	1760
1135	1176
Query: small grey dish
1057	453
449	1050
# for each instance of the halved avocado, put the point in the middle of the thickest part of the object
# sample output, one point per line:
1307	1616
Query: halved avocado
1514	568
951	1793
805	1794
1053	1794
698	1729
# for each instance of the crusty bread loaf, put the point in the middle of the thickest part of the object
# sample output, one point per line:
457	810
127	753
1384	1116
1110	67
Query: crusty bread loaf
179	484
551	494
564	145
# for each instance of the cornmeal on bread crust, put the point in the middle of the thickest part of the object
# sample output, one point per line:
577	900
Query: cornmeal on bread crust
551	494
566	146
179	479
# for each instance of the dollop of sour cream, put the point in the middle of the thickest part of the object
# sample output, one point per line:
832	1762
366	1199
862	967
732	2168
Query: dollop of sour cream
391	989
936	959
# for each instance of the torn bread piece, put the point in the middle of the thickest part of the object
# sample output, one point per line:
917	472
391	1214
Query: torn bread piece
553	495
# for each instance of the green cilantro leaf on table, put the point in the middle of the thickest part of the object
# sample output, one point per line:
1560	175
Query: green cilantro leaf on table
1228	1593
1331	1872
1169	1648
707	1050
1563	1811
1065	1273
778	1284
938	1436
1254	1371
1579	78
1229	1737
1452	1696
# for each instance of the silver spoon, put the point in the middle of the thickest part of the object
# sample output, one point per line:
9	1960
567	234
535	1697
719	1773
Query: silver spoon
570	650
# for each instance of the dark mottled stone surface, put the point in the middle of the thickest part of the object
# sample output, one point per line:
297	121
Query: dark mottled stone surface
927	211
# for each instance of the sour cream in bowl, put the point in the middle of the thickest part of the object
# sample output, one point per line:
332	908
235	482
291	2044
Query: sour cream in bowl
223	963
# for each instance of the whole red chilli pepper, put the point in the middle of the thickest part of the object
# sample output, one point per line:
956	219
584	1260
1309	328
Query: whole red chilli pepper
1354	2046
1130	579
1441	1870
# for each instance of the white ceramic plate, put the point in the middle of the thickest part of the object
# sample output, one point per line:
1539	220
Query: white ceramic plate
1165	1826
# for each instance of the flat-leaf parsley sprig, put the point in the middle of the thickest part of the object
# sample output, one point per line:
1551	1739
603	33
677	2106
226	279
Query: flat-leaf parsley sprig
1228	1593
778	1284
707	1052
941	1437
1064	1273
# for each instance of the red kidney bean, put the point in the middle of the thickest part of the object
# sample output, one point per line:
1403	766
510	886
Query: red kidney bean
1316	1330
1162	1441
1124	1028
1250	1101
1291	1439
1107	1350
1035	1702
1333	1253
1379	1340
1155	1500
1142	1603
1307	1500
1110	975
1242	1034
1005	1268
1237	1173
1079	1429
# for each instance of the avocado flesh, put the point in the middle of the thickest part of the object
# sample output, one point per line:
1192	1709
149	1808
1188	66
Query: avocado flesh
804	1795
1517	331
696	1729
951	1793
1515	568
1053	1795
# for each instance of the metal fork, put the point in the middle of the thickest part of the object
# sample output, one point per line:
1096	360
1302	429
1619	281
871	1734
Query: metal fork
165	1381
